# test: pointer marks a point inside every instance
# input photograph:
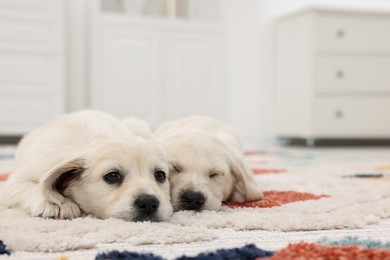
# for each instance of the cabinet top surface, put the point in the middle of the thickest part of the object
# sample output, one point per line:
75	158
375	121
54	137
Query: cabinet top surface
328	9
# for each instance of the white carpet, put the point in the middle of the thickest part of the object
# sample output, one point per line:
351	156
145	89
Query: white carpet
356	207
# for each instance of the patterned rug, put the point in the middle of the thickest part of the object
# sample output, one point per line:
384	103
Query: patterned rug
311	196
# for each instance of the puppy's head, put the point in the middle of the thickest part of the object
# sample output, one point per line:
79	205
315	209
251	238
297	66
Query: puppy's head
207	173
127	180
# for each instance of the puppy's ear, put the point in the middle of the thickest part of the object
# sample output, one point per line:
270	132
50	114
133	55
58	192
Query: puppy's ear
54	183
245	188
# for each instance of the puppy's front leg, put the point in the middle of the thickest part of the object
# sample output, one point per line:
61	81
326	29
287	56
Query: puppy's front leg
29	196
45	209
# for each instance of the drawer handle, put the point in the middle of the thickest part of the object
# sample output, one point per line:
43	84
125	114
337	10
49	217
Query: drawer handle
340	74
340	33
339	114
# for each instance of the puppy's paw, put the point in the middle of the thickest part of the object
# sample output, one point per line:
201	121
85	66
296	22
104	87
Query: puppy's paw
69	210
225	208
66	210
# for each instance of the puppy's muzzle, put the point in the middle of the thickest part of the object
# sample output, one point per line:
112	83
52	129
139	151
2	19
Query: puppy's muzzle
146	206
190	200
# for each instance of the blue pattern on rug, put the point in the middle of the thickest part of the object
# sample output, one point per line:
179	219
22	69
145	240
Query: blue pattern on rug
352	240
125	255
248	252
3	250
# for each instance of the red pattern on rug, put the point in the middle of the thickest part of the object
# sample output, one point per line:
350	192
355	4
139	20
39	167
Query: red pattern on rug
4	176
305	250
257	153
277	198
267	170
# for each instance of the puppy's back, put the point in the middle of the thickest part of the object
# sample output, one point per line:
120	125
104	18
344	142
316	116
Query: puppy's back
200	124
48	145
138	127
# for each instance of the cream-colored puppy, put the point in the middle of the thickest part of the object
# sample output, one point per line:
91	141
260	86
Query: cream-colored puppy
209	164
90	163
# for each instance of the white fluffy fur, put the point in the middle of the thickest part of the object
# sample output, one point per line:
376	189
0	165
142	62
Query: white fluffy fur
208	158
60	169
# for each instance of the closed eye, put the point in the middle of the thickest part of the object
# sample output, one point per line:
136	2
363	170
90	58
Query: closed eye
177	167
214	175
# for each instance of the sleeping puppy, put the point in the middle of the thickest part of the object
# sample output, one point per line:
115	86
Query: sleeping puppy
89	163
209	165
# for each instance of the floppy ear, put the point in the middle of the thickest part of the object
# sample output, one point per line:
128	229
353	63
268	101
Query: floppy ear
245	188
54	183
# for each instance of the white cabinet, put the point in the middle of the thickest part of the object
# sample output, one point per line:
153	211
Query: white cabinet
126	73
194	75
156	68
31	63
333	75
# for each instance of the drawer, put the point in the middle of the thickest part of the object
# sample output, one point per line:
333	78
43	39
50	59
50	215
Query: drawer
352	74
352	32
30	100
36	71
352	116
27	25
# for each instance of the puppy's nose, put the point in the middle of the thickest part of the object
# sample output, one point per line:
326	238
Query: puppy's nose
146	204
192	200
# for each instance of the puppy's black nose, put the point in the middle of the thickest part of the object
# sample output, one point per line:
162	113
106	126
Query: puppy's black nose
192	200
146	204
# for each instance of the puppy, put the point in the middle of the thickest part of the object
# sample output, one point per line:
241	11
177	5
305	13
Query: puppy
138	127
209	165
89	163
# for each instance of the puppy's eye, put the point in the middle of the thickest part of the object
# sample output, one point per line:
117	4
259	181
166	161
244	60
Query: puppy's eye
113	177
214	175
160	176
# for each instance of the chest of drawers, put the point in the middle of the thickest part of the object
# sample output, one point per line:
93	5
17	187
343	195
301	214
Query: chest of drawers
333	75
32	64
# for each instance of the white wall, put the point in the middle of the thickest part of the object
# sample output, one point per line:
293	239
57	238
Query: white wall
250	105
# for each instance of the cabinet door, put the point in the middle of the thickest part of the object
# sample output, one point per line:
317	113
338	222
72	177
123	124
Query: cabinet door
193	70
126	78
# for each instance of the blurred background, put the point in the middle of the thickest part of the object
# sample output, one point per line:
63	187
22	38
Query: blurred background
273	69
